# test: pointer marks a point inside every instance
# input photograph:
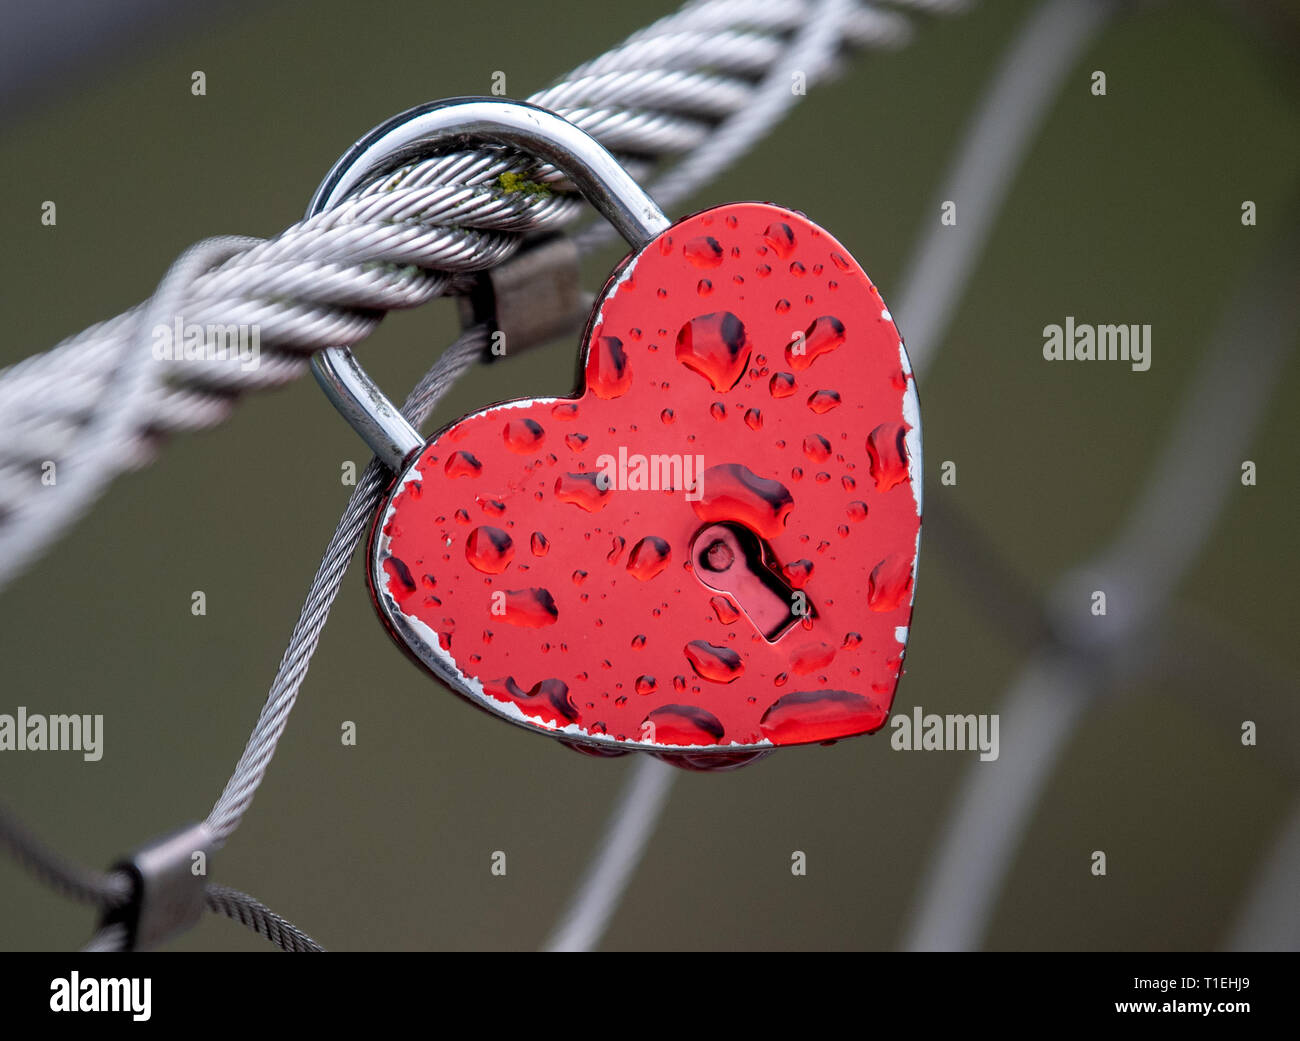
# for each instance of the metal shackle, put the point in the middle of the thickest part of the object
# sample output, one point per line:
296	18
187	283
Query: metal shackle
421	132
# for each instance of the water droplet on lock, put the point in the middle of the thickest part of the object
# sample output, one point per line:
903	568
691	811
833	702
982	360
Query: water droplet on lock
797	269
716	347
531	608
733	492
797	572
579	577
638	641
616	549
523	435
852	639
703	251
821	337
402	584
540	544
609	375
887	449
890	583
779	237
682	725
822	401
646	685
565	410
782	306
718	411
577	442
713	663
811	657
704	287
666	416
754	419
841	262
781	385
489	549
548	700
648	558
819	715
582	490
857	511
816	448
462	464
679	683
724	609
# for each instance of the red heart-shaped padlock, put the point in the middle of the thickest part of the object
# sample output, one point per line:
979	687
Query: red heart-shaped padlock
710	551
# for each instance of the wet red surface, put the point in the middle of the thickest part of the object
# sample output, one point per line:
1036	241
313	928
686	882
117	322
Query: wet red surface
742	371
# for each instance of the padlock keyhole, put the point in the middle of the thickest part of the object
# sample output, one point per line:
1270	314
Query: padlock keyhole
732	559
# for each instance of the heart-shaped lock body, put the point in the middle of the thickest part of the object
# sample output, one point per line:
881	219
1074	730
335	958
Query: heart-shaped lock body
709	552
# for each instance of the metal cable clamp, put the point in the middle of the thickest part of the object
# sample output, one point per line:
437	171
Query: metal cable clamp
534	297
168	895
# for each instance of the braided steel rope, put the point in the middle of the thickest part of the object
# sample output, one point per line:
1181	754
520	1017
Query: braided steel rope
412	236
112	890
252	765
261	919
106	891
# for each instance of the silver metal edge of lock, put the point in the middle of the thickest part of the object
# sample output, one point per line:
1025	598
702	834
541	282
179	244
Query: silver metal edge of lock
421	131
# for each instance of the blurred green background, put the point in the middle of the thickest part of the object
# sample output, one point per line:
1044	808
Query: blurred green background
1127	210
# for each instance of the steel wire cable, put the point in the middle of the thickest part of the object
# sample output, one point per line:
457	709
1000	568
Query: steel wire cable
251	912
112	890
103	890
251	768
412	236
